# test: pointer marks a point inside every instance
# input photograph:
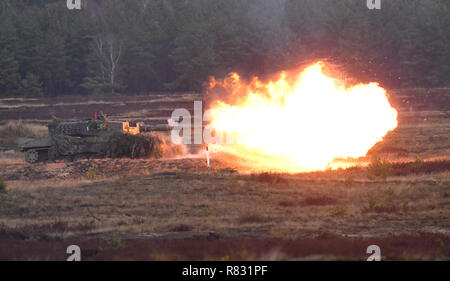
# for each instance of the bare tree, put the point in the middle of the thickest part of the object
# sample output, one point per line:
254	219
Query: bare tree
108	51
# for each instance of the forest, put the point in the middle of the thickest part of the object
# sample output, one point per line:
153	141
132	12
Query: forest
141	46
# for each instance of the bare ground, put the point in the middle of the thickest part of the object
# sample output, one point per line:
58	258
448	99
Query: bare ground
169	209
178	199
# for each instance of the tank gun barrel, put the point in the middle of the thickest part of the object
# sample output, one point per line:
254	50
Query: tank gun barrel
153	128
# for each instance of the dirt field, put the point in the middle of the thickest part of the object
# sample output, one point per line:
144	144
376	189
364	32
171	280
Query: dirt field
177	208
152	109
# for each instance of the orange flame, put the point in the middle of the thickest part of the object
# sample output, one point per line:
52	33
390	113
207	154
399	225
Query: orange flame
302	125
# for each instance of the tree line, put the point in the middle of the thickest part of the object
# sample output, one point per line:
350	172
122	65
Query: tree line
139	46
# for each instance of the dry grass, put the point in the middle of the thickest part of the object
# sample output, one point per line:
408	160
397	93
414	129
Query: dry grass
180	202
17	103
420	137
11	131
2	184
11	157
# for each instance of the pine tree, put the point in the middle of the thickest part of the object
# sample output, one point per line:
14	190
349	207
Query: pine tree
31	86
9	66
80	30
193	54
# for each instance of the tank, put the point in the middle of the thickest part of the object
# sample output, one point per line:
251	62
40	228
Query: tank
71	140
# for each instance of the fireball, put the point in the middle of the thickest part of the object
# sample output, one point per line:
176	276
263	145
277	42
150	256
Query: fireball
306	123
